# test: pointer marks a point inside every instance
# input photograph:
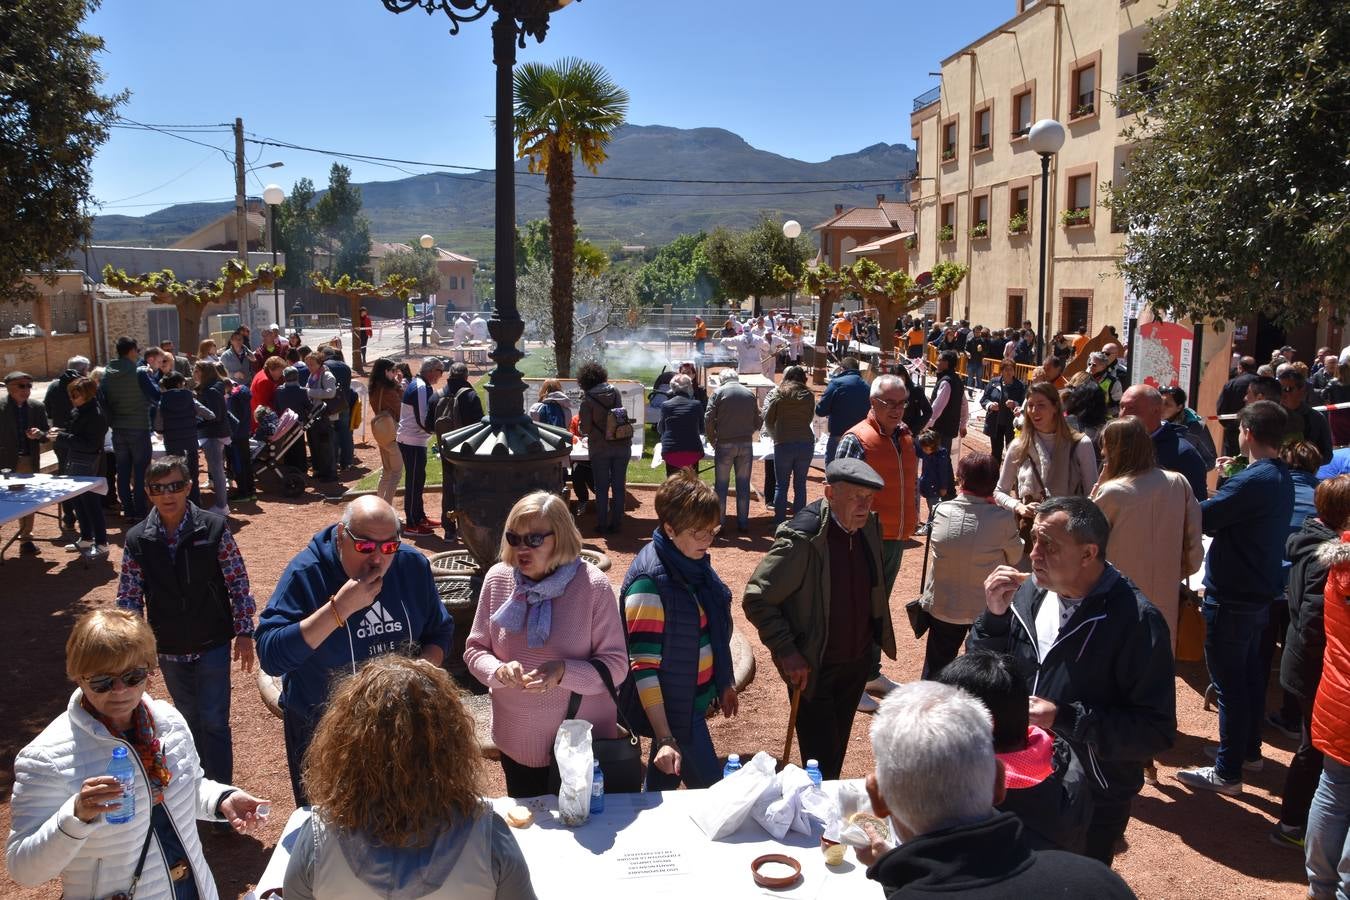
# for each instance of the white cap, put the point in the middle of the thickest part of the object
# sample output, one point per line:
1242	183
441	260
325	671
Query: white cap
812	762
733	757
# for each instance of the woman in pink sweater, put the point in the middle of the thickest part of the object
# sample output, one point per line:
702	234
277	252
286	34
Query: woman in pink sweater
542	614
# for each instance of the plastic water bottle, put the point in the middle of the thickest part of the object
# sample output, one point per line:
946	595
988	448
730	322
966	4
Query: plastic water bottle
125	773
733	764
813	772
597	790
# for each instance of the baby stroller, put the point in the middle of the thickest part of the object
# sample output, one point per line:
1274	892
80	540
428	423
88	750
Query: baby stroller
269	455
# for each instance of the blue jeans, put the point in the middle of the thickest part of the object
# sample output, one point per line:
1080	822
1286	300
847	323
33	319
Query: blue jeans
611	486
131	447
699	766
214	450
831	445
415	478
791	460
1327	844
344	449
725	456
1233	657
241	463
201	691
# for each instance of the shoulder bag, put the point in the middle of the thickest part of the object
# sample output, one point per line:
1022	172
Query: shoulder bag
919	616
620	758
130	893
1024	523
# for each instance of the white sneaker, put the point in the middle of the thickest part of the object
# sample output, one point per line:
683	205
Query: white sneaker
1248	765
78	546
1206	779
881	685
97	551
868	704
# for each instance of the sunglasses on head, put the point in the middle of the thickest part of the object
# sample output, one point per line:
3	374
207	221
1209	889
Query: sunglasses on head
157	488
533	540
367	546
101	684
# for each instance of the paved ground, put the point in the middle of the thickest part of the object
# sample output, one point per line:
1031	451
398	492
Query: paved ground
1180	845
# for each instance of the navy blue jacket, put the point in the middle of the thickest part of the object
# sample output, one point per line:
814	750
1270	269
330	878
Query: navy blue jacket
238	404
846	400
291	396
178	409
1176	454
681	424
213	398
1248	518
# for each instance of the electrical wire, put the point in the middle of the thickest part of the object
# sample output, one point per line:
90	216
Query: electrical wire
180	175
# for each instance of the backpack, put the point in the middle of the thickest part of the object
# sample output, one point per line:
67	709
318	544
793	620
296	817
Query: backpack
447	416
618	426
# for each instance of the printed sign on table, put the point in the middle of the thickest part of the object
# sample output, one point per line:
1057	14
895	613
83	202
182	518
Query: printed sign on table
1162	354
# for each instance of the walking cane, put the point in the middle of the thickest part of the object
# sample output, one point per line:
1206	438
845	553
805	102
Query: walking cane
792	725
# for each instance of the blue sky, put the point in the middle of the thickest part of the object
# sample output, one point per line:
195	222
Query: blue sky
808	80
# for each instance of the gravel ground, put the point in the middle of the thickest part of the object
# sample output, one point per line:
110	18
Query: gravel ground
1178	845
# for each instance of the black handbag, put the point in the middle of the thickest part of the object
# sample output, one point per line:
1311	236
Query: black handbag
920	618
620	758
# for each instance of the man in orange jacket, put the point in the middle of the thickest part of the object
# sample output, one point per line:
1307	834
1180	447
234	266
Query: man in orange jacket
883	441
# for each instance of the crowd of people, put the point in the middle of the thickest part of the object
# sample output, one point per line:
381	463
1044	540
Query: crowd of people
1051	603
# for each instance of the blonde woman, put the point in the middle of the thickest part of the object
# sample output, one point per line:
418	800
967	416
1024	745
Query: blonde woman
1048	459
1155	519
62	793
386	397
418	817
542	616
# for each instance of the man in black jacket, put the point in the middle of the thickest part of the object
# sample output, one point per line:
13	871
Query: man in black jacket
1174	452
938	780
1045	783
23	431
58	404
1305	423
1095	653
1232	398
457	405
182	568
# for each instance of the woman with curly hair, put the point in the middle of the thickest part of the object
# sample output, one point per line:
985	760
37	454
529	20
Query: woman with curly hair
394	775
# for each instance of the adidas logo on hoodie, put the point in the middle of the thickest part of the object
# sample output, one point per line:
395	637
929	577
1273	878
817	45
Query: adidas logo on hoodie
377	622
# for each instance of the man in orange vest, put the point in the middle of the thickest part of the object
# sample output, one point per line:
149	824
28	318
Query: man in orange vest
882	440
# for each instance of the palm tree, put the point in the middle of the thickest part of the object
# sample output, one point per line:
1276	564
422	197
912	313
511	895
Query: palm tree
568	109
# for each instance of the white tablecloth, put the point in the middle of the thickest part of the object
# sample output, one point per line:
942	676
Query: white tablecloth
43	490
713	870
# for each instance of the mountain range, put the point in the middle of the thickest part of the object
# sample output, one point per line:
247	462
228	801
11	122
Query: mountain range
458	208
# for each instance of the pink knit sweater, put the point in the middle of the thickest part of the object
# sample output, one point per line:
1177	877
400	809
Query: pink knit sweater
585	625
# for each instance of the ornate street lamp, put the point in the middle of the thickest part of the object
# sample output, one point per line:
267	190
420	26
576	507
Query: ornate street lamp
493	463
1046	137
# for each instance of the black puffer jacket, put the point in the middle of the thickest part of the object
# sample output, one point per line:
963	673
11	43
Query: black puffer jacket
1110	673
1055	813
1301	664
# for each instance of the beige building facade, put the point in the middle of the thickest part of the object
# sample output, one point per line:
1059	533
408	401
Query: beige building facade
977	195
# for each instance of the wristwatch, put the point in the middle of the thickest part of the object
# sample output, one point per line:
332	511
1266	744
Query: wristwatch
667	741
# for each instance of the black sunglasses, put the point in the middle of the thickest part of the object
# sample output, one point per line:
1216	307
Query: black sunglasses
157	488
101	684
533	540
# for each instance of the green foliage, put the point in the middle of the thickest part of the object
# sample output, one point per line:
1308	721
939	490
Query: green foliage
564	111
1017	223
417	265
679	273
745	262
946	233
297	236
52	121
1078	215
1236	196
980	230
342	226
605	303
191	297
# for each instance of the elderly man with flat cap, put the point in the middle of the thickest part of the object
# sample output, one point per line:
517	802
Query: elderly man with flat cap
355	593
818	600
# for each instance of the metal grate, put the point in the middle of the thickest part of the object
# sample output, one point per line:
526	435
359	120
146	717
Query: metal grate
927	98
67	312
15	312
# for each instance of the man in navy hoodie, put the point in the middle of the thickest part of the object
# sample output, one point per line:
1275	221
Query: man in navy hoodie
846	401
356	592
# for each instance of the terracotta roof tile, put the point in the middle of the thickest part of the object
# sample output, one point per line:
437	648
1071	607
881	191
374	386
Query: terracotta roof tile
858	217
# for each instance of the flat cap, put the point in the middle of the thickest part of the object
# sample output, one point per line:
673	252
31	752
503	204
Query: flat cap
15	376
853	471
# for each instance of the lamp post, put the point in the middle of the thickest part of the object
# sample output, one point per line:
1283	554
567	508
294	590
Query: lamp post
427	242
792	229
495	462
273	195
1046	137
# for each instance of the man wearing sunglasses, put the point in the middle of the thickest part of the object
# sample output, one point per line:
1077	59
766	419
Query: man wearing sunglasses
182	568
355	593
1305	423
23	428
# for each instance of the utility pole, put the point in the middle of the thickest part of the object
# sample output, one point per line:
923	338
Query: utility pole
240	220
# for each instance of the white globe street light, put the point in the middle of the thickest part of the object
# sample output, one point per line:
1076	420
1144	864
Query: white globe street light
1046	138
427	242
792	229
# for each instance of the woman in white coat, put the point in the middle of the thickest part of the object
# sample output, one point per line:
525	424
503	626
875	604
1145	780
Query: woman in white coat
1155	519
62	792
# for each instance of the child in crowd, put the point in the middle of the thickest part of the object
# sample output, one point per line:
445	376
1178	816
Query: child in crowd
177	417
266	421
934	473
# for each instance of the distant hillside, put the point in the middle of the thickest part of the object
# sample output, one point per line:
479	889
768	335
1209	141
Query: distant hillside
459	208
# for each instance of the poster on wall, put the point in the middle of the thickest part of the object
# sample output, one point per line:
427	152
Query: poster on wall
1162	355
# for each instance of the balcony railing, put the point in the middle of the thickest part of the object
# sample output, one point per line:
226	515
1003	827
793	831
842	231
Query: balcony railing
927	98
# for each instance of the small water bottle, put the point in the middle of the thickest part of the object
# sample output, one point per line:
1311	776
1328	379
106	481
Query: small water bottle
733	764
597	790
125	773
813	772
